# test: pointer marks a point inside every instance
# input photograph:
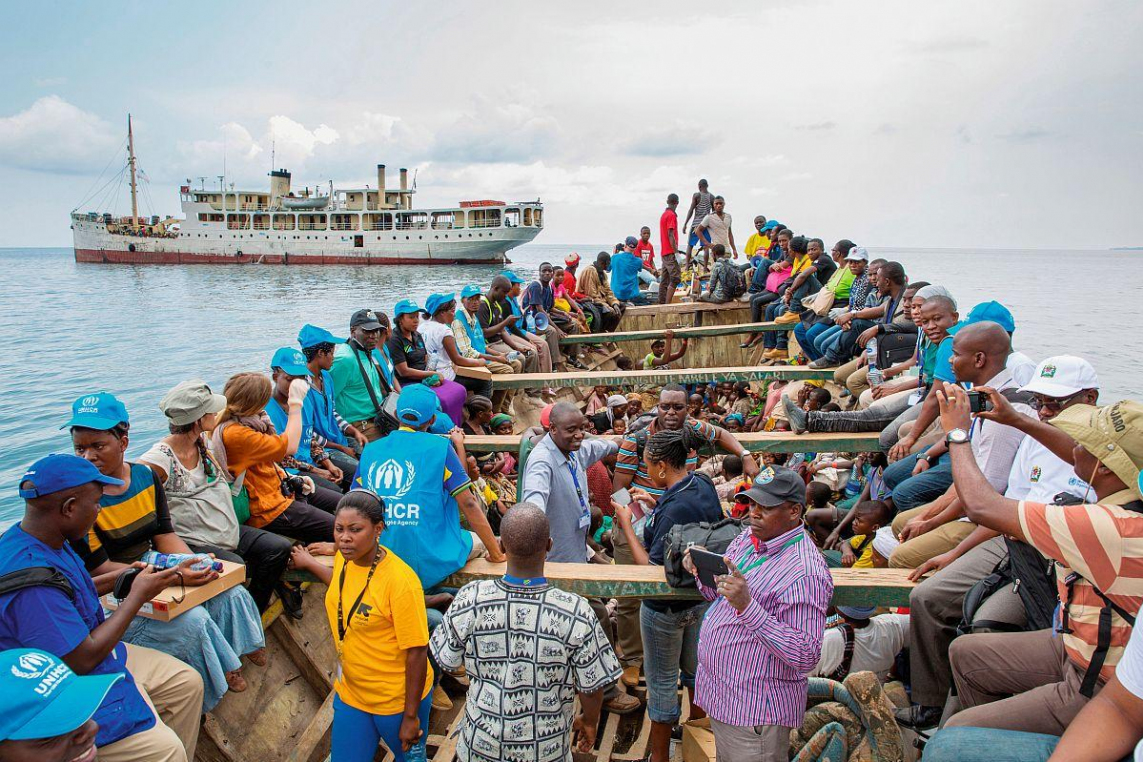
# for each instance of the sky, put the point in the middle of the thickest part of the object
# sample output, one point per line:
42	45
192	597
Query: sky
971	124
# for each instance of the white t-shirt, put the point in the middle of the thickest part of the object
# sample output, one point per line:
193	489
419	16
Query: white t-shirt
1129	670
438	360
202	510
1038	475
719	228
874	647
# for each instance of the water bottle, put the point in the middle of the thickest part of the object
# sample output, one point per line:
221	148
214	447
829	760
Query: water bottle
416	752
171	560
875	376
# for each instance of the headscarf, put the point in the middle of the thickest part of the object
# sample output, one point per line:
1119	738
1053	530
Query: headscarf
928	292
500	419
615	400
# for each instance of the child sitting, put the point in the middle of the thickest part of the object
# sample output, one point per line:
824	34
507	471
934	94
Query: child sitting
821	514
726	484
661	355
869	516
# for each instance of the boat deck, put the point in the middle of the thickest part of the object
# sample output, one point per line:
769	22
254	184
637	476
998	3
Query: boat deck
761	441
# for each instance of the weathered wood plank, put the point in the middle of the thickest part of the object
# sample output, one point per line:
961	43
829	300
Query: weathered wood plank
675	308
680	333
314	742
631	378
302	654
447	749
214	745
607	739
754	441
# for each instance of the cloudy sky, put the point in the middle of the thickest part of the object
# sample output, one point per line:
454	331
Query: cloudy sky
985	124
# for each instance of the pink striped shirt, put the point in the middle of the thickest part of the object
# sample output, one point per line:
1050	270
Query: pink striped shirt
752	666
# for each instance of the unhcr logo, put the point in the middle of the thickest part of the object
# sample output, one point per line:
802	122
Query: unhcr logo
392	479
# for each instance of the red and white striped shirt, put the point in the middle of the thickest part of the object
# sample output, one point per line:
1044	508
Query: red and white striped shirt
752	666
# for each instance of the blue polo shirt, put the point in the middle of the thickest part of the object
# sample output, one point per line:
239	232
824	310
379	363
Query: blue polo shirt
47	619
625	268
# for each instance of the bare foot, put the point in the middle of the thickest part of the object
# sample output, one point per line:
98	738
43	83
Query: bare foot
257	657
235	681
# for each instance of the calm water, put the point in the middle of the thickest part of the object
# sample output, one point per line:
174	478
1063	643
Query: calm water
70	329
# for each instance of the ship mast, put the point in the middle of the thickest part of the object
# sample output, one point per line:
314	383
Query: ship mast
131	165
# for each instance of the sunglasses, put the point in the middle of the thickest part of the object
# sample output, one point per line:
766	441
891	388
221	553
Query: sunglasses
665	406
1039	402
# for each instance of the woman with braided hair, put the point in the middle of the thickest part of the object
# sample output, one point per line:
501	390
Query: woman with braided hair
670	628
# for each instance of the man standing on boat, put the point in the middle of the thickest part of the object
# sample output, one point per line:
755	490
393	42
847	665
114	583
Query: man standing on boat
715	228
702	202
670	275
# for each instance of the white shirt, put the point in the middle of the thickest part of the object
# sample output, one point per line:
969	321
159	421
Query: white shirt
1022	366
438	360
874	647
1038	475
1129	670
719	229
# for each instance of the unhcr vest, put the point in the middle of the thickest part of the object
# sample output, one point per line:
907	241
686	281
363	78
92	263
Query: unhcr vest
473	329
422	522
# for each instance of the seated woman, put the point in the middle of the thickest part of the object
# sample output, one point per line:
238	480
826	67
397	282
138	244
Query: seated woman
444	351
407	347
198	495
247	447
478	416
134	519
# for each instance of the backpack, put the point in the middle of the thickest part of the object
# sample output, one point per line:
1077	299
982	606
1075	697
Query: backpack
35	576
733	282
714	537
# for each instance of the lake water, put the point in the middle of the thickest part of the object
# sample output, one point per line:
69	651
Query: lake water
69	329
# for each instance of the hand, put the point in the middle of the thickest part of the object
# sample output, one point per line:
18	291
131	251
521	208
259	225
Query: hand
584	733
456	436
934	564
494	556
668	334
749	466
358	437
301	559
621	513
513	319
843	319
299	388
150	582
193	578
321	548
410	731
322	473
914	528
640	495
902	448
832	541
1002	410
499	357
733	587
847	557
921	467
308	486
879	391
866	335
438	601
433	381
688	563
955	413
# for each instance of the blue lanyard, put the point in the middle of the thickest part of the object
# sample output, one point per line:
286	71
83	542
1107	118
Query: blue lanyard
575	480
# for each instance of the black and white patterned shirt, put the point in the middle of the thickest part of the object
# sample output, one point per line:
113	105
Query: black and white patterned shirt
527	651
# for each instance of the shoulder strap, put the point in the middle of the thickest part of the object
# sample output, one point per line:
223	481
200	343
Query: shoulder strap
35	576
1103	637
365	378
842	670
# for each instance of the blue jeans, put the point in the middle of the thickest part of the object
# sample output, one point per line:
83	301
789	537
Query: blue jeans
912	491
775	339
807	337
356	733
670	645
829	340
989	745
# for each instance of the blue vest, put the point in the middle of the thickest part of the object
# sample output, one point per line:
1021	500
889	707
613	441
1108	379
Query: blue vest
422	522
474	331
325	421
280	417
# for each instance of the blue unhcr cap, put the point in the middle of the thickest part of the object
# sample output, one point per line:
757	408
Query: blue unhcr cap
290	361
40	697
470	291
512	277
994	312
436	301
60	471
406	307
416	405
311	336
101	411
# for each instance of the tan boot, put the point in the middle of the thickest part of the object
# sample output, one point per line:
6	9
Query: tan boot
622	703
441	701
630	676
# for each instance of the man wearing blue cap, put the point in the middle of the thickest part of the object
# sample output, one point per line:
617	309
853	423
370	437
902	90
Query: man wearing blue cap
471	343
288	365
50	603
332	432
547	349
625	269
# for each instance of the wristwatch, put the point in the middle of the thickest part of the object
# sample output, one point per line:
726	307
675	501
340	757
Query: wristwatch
956	436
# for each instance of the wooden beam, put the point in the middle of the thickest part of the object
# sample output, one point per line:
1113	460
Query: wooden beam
754	441
687	308
213	744
302	656
312	744
632	378
680	333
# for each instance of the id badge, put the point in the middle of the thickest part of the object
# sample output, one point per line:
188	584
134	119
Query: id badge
584	520
914	398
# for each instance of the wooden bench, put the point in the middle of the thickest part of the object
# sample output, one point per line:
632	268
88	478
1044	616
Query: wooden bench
695	332
632	378
685	308
761	441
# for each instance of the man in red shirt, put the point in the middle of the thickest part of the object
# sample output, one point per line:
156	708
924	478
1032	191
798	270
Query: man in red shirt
671	275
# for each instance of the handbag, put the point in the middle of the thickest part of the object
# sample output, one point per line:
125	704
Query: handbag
386	416
819	303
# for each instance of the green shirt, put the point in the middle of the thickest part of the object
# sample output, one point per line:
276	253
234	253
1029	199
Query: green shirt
840	282
928	360
352	400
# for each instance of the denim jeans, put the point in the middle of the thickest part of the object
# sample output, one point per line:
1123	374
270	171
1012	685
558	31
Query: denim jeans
989	745
874	418
670	644
775	339
829	340
807	337
912	491
758	304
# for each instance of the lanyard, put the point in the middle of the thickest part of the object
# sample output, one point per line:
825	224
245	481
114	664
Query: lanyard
763	559
585	516
342	625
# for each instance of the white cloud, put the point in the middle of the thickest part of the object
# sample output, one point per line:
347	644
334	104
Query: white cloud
497	132
54	136
678	139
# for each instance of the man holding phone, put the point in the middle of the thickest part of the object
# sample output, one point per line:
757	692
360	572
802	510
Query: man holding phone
763	634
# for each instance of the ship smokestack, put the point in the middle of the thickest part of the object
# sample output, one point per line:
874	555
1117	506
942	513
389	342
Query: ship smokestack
279	185
380	186
404	179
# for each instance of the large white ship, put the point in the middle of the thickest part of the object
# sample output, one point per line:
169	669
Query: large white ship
356	226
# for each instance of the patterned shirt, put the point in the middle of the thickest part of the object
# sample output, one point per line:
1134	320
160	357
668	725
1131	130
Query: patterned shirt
527	651
1104	544
630	458
752	666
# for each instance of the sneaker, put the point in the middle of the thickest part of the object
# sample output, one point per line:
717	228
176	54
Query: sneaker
630	676
441	701
794	414
820	363
919	717
622	703
787	318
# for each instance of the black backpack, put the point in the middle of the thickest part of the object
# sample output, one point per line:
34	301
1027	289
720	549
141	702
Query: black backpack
715	537
733	283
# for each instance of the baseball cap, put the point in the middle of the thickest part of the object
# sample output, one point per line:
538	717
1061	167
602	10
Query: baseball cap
40	697
774	486
416	405
994	312
571	259
1112	433
511	276
366	319
1062	376
770	225
406	307
311	336
189	401
436	301
631	241
856	612
470	291
60	471
290	361
857	254
101	411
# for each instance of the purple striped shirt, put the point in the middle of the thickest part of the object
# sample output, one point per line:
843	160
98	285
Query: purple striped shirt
752	666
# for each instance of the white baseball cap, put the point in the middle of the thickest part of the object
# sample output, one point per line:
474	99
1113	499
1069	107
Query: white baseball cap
857	254
1062	376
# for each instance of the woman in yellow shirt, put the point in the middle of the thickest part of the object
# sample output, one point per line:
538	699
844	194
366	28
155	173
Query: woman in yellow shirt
376	610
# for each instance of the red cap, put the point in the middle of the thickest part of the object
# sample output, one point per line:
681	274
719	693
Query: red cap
546	415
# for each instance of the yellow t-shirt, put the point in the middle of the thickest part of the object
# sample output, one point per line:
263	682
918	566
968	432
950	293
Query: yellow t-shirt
865	556
389	620
801	262
757	242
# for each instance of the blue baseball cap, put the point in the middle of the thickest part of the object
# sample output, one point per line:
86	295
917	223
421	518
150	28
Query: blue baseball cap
416	405
406	307
512	277
60	471
311	336
290	361
994	312
631	241
856	612
470	291
770	225
436	301
101	411
40	697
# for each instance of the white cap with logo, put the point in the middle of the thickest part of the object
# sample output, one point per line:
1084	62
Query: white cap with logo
1062	376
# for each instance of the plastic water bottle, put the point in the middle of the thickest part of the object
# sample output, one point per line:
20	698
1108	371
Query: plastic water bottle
875	376
416	752
171	560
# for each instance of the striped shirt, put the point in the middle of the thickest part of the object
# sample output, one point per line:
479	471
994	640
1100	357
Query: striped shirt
630	459
1104	544
752	666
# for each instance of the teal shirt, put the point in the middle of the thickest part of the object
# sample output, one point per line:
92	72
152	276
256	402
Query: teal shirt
352	401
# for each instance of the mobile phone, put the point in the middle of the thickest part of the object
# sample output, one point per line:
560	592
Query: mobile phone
978	402
621	496
708	565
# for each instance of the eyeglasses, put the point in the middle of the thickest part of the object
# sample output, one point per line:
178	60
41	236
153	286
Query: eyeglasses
1040	402
665	406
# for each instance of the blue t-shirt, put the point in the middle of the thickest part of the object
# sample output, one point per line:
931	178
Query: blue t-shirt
280	417
625	269
942	366
47	619
324	417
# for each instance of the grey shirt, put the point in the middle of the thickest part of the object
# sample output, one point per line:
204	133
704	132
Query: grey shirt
550	484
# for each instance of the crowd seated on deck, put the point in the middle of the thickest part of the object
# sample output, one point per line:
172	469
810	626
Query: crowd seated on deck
1000	486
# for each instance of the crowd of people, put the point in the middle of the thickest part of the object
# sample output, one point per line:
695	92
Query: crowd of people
1011	496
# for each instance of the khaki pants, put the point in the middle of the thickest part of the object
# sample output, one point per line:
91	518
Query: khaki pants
1016	681
544	351
531	361
750	743
895	399
502	398
911	554
627	610
174	691
369	429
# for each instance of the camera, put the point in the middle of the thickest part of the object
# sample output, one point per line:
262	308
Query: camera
293	486
978	402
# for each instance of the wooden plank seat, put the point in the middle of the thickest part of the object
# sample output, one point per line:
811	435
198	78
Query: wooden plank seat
695	332
684	308
755	441
630	378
